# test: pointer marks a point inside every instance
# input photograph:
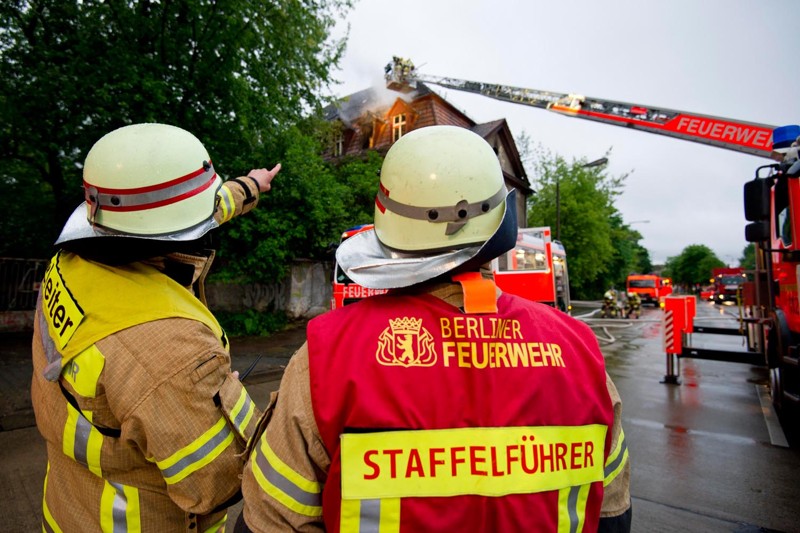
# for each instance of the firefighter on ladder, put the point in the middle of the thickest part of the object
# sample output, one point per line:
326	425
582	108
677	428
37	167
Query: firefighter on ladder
132	386
443	405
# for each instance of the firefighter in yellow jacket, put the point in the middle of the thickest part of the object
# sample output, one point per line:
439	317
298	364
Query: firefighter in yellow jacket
132	386
445	404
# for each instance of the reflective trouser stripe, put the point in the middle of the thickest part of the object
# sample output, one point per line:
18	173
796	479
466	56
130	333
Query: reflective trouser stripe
242	413
219	526
288	487
119	509
81	441
226	203
616	460
572	508
198	454
48	523
370	516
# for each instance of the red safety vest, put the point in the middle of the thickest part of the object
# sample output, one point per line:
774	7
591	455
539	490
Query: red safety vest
440	421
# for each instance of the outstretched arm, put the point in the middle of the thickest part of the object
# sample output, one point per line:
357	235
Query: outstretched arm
240	195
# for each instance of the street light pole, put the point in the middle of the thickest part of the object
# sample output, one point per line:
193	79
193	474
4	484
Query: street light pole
558	211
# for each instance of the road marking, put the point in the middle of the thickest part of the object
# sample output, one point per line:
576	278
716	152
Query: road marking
776	436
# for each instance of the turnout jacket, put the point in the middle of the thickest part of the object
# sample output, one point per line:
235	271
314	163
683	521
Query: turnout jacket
132	390
404	414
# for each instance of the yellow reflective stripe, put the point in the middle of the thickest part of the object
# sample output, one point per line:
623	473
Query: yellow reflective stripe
390	515
378	516
84	370
94	446
288	487
198	454
349	515
242	412
572	508
219	526
81	441
616	460
68	437
119	509
49	524
226	203
479	461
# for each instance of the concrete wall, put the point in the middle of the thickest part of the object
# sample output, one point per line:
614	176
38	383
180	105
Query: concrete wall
305	293
16	321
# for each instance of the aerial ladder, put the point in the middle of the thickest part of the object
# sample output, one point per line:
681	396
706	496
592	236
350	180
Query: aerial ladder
740	136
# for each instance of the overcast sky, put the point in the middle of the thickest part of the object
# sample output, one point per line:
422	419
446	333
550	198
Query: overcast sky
738	59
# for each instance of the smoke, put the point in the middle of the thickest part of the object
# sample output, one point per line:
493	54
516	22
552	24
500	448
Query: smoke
374	100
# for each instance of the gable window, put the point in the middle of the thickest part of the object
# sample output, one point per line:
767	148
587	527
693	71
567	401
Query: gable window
398	126
338	144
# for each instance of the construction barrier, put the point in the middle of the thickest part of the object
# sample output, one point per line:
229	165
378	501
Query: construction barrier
679	312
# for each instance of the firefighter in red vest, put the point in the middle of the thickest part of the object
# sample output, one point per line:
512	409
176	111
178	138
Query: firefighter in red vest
443	405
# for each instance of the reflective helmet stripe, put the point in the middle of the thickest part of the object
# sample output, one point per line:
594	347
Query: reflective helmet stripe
449	213
142	198
457	215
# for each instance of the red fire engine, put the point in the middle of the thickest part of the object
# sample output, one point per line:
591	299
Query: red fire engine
728	283
535	269
651	288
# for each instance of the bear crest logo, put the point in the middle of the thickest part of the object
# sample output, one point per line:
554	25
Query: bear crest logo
406	343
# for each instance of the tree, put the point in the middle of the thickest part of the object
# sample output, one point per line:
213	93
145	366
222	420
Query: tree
237	74
577	202
312	203
748	259
693	266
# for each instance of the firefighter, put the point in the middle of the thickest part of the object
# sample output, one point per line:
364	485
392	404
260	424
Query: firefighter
633	305
132	384
610	304
443	405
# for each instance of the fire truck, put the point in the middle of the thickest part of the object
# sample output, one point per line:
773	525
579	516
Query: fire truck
772	206
536	269
651	288
771	323
728	282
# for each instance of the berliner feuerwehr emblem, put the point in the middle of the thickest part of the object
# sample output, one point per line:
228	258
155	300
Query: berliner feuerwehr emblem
406	343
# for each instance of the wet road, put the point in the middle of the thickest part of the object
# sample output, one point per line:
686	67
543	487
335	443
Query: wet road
701	452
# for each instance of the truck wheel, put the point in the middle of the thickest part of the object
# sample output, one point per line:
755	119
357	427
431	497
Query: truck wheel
778	338
776	389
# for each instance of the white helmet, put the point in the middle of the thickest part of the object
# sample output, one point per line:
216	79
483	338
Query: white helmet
441	188
442	206
151	181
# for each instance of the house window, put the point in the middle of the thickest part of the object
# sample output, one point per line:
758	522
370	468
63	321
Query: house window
398	126
338	144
